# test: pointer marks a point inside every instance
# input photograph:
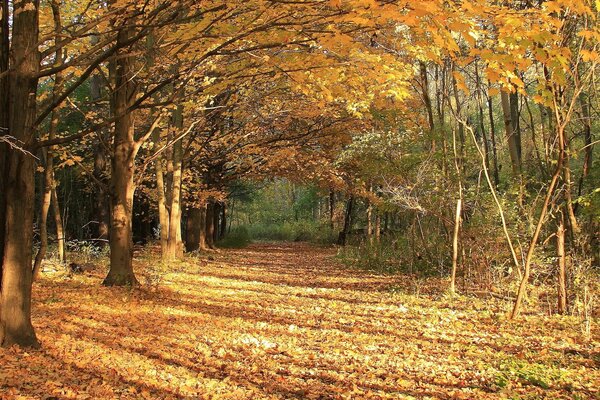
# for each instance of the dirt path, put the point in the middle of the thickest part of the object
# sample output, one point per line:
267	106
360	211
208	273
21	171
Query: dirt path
283	322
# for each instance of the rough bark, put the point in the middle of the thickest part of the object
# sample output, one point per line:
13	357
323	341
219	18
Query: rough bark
15	299
4	96
122	185
196	229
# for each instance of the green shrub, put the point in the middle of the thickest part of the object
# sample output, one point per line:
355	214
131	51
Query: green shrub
292	231
388	256
236	239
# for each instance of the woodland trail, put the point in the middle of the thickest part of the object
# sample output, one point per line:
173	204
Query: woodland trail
286	321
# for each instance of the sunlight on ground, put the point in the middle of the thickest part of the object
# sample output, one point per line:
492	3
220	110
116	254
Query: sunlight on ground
286	321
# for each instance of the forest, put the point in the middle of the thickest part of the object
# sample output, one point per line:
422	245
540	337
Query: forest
281	199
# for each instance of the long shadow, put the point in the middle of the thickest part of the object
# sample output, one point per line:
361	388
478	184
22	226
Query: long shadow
329	386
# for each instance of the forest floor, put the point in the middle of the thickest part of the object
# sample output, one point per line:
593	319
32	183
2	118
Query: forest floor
287	321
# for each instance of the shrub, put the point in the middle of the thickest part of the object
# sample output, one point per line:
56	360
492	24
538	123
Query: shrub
236	239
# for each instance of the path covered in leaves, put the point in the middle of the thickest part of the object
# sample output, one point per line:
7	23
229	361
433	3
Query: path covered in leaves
287	322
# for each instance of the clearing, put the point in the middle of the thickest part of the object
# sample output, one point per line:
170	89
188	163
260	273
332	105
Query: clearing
286	321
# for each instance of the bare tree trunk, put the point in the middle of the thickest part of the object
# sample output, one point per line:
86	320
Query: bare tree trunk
343	236
540	223
15	297
223	229
44	208
482	119
122	171
100	173
61	240
216	225
196	229
49	170
511	138
562	273
163	213
455	245
587	133
210	224
493	137
174	243
331	208
4	117
370	219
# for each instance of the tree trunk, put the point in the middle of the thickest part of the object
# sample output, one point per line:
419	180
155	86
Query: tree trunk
49	170
493	138
196	229
193	230
541	219
61	240
216	224
44	208
511	135
370	221
210	224
122	172
174	243
427	102
343	236
15	299
562	274
100	173
4	97
223	229
331	209
455	244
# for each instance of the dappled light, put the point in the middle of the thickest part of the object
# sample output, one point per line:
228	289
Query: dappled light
279	321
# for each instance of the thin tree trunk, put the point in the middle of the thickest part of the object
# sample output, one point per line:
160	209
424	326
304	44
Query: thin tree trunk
455	244
163	213
174	243
343	236
100	173
210	224
49	170
510	134
493	137
61	240
562	274
587	133
331	209
44	208
540	223
223	229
